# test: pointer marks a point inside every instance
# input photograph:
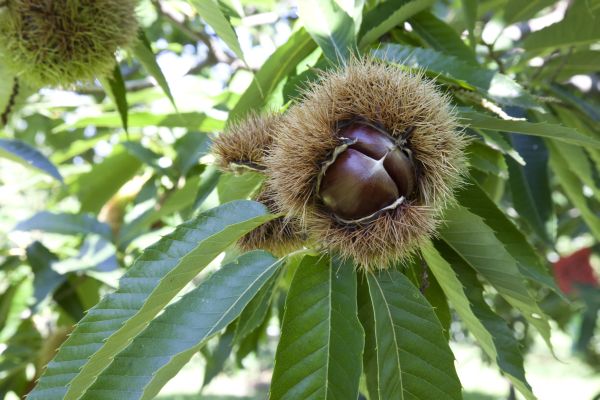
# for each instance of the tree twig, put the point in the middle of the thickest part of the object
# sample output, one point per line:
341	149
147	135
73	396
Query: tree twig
11	102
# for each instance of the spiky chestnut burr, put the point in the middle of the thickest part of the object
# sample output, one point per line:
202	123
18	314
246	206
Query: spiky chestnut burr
242	147
60	42
279	236
244	144
367	160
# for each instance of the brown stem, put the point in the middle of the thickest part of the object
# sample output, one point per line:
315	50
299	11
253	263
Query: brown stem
11	102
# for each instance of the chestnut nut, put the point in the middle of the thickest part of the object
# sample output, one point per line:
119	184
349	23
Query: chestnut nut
369	173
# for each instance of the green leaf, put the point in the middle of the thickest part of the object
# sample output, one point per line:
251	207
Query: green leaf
518	10
236	187
279	65
143	52
387	15
413	359
256	311
516	243
483	121
466	294
437	298
66	224
330	26
468	235
45	279
115	89
486	159
319	354
154	279
441	36
139	119
190	148
354	8
579	164
146	156
530	186
210	11
26	155
565	66
97	186
216	359
573	188
170	341
492	84
579	27
470	12
176	201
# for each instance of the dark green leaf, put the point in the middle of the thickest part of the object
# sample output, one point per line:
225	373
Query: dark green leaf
441	36
26	155
414	360
319	354
387	15
476	243
530	186
140	371
115	89
256	311
516	243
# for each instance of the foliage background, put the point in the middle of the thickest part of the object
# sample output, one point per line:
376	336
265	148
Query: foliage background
90	196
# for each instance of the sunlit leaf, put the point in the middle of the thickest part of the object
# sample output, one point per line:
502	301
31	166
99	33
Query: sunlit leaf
330	26
413	359
463	289
469	236
155	278
210	11
319	354
182	329
143	52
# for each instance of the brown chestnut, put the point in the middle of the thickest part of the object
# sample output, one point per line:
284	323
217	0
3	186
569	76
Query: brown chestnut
369	173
